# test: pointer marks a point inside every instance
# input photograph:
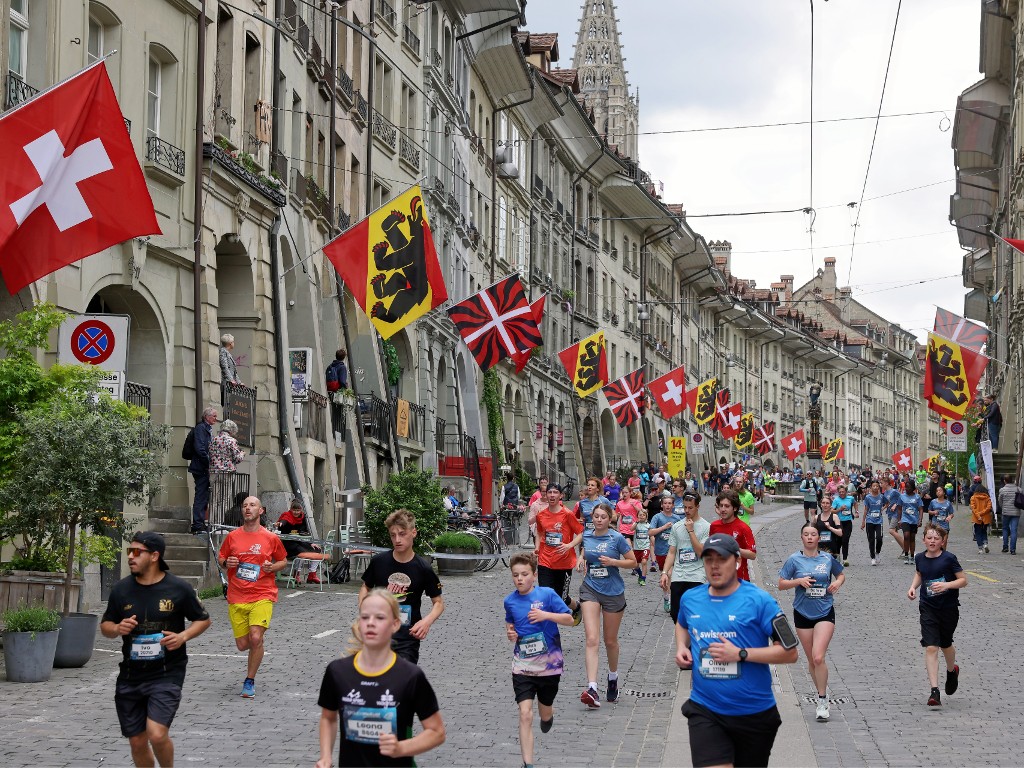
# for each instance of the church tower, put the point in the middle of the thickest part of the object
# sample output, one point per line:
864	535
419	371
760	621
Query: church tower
602	76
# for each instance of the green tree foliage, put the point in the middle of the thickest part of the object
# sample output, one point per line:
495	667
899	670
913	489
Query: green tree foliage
957	460
492	405
418	491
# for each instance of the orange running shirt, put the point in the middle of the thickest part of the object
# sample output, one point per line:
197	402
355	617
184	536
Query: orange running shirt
250	581
553	529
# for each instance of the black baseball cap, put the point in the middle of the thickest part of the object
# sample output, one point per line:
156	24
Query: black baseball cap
722	543
154	542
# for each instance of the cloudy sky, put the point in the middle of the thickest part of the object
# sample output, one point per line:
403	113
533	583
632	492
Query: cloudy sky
703	65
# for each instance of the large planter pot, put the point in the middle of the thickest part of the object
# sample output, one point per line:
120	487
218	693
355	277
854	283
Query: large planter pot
19	588
449	567
76	641
28	656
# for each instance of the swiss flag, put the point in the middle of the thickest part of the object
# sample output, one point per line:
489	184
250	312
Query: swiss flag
70	183
903	460
669	392
794	444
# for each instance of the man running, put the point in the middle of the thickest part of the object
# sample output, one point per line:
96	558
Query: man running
685	546
661	526
253	557
727	505
407	576
148	611
559	532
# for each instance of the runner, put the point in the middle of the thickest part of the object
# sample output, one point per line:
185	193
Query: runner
253	557
809	489
685	545
634	483
940	511
642	546
148	610
943	578
728	632
911	506
661	527
559	532
603	595
892	509
816	577
727	505
873	503
377	693
591	498
745	497
625	512
830	530
532	616
407	576
843	504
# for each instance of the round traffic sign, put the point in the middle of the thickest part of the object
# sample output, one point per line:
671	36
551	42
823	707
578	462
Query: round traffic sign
697	437
956	428
92	342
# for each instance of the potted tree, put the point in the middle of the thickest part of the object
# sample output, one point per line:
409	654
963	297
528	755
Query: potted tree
456	543
415	490
30	642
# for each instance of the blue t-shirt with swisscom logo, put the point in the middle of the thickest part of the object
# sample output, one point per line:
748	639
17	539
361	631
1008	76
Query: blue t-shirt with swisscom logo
538	649
745	619
873	508
815	602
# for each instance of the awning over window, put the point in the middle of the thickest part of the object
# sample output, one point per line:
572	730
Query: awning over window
976	306
978	126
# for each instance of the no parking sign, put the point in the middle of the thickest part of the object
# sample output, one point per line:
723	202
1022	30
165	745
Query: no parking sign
956	435
100	340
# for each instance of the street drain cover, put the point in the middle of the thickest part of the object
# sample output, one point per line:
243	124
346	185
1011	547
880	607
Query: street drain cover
839	700
646	694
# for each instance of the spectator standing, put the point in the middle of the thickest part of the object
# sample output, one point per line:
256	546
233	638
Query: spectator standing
1009	513
224	451
992	418
981	516
336	375
199	468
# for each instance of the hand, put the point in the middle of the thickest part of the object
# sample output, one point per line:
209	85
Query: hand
684	659
388	745
832	588
663	581
581	565
510	632
127	625
806	582
172	640
536	615
231	562
605	560
938	587
912	593
562	548
862	525
688	525
723	650
323	762
420	629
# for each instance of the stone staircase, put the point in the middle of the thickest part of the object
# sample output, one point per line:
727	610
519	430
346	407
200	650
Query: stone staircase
187	556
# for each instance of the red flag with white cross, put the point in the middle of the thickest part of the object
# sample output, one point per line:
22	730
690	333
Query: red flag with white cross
903	460
669	392
794	444
70	182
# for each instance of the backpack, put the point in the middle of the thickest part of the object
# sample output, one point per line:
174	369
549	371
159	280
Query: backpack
188	449
1018	499
331	375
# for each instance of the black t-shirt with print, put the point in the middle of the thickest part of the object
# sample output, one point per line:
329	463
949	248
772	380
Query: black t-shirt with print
945	567
157	607
368	705
414	578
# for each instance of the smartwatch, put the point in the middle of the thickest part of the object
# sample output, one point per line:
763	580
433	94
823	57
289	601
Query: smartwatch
743	654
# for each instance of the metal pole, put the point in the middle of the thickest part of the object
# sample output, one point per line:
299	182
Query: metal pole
197	212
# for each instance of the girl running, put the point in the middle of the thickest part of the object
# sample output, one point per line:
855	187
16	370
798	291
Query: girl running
873	503
843	505
642	546
590	499
912	506
626	510
816	577
829	529
603	596
940	510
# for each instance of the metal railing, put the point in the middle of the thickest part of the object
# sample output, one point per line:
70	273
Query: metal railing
384	130
362	108
17	91
375	417
314	416
345	83
462	456
417	423
408	152
165	154
139	395
342	220
339	418
439	425
224	487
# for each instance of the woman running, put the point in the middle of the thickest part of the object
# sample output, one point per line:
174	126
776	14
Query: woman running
816	577
591	498
843	505
912	505
378	733
829	529
603	596
873	503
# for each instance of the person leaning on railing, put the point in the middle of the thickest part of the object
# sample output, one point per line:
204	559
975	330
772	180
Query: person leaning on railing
224	450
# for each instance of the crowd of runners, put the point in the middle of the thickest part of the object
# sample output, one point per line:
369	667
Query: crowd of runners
727	630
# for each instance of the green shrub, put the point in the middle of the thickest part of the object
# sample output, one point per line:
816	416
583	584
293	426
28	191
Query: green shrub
455	540
37	560
31	618
415	490
209	592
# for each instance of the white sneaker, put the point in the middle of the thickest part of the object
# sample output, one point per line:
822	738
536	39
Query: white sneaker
873	561
821	712
981	550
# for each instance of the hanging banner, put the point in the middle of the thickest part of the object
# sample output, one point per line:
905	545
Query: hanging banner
676	455
402	418
990	477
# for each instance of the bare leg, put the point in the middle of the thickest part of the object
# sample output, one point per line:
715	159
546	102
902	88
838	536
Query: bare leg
611	638
255	650
592	630
931	665
142	754
950	656
163	747
526	730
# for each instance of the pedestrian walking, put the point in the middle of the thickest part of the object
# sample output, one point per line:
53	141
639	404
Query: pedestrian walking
407	576
685	545
981	516
532	617
729	632
375	695
253	556
1009	513
816	577
939	578
872	521
147	610
603	596
199	467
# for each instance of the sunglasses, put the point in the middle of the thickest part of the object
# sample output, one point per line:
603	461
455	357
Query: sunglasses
136	551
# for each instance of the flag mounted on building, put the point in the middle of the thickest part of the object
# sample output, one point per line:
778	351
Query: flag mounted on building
721	417
389	263
705	398
496	322
733	420
833	450
903	460
951	375
931	464
764	438
70	183
522	358
955	328
745	434
626	397
669	392
586	362
794	445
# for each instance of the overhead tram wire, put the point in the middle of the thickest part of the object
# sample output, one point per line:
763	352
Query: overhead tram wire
810	149
874	138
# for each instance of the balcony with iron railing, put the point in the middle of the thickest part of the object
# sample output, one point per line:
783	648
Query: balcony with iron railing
408	152
342	220
17	91
313	410
439	427
345	86
362	108
164	154
384	131
417	426
375	418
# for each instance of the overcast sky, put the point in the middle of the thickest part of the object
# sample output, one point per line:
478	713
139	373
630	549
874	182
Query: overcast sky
700	64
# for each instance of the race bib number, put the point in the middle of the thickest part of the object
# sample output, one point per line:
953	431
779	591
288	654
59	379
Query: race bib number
532	645
664	535
687	556
717	670
825	536
366	725
406	611
599	573
930	586
588	526
553	538
815	591
147	647
248	571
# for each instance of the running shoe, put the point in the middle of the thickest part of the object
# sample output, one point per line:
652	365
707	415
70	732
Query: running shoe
981	550
642	581
821	711
613	690
934	699
249	689
1005	550
952	680
592	698
986	549
667	605
846	563
874	561
577	614
545	725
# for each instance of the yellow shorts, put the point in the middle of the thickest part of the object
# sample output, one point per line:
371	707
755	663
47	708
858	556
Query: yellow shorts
245	615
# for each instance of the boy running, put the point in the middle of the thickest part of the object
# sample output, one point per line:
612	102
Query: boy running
559	532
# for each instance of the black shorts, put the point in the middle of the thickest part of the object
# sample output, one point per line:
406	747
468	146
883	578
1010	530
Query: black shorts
676	591
745	740
543	687
810	505
908	528
558	579
155	700
938	624
802	622
406	647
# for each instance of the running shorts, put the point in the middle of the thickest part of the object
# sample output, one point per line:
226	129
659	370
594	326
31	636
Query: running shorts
245	615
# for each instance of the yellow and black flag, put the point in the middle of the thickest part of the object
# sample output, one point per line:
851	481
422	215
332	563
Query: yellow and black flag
745	436
833	450
586	362
703	399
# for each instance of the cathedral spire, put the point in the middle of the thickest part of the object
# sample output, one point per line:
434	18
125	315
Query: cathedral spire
602	76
